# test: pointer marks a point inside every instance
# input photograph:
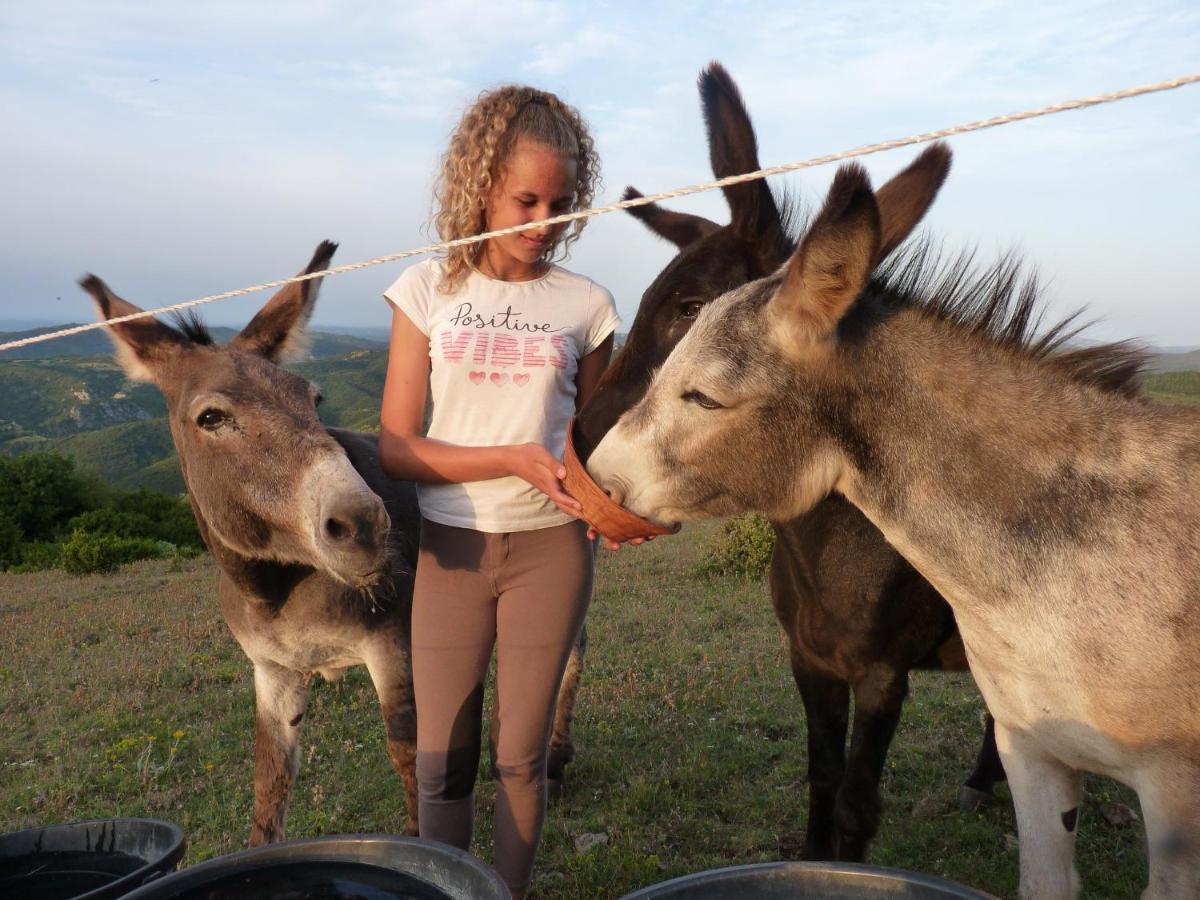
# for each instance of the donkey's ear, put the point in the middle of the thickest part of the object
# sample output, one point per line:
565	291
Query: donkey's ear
733	149
278	328
681	229
905	199
142	345
831	266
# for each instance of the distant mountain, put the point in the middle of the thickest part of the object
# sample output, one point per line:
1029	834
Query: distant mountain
130	455
1176	362
324	344
378	333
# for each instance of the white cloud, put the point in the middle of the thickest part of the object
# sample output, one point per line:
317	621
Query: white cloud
584	47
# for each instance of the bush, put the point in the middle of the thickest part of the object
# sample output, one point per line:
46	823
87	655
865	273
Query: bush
171	516
743	547
42	491
86	553
10	540
114	523
52	515
39	556
142	514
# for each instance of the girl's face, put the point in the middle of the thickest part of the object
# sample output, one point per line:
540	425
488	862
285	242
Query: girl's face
537	183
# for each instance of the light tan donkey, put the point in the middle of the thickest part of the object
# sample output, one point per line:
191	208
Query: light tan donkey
1059	520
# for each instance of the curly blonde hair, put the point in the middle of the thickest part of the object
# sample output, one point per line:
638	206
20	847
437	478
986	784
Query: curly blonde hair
479	149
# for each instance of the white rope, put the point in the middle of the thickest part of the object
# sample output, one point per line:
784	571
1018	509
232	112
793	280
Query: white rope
639	201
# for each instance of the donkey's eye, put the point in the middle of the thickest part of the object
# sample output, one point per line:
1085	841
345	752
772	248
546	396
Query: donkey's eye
701	400
211	419
690	309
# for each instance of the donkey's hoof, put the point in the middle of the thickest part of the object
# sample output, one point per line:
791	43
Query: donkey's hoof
972	799
411	829
554	789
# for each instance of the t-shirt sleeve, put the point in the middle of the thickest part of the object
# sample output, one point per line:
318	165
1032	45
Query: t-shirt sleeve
602	318
411	294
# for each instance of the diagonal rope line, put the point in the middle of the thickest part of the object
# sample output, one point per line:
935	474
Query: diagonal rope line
865	150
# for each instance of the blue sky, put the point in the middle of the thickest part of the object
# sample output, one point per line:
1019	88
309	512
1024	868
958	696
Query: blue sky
183	149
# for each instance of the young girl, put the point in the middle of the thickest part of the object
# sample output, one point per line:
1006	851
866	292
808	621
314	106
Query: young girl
508	346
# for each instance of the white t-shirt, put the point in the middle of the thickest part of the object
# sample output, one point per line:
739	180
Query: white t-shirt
503	357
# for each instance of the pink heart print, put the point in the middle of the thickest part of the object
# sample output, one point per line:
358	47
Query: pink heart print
477	377
499	378
521	380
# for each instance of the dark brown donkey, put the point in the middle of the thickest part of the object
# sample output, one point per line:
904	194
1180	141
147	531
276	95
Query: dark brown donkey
315	545
858	618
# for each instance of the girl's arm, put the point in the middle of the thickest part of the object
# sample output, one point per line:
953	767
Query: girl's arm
404	453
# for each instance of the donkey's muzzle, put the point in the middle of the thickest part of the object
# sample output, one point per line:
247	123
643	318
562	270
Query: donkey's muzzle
353	535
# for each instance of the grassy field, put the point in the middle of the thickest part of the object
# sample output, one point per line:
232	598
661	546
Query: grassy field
126	695
1174	387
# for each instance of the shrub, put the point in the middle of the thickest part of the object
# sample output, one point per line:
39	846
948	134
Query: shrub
743	547
41	491
86	553
171	516
38	556
114	523
10	540
142	514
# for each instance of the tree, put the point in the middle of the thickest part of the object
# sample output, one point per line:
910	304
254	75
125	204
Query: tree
10	540
41	492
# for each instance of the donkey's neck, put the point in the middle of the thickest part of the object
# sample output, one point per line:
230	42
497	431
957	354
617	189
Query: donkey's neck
991	472
267	582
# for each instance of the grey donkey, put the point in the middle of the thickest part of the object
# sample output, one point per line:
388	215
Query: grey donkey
1056	517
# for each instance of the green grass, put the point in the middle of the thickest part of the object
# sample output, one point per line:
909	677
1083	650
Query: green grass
1174	387
126	695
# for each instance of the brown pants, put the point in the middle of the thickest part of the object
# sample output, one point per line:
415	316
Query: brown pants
525	593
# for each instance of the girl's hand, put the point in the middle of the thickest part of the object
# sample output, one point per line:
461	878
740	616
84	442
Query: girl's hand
608	544
535	464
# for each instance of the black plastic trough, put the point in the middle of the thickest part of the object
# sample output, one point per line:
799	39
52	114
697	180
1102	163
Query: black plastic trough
365	867
96	860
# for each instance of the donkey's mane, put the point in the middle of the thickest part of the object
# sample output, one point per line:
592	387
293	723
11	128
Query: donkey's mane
794	219
1002	304
191	327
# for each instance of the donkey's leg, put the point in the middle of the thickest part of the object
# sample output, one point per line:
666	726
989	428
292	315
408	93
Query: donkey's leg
827	709
878	702
562	748
1168	800
391	673
280	697
977	791
1046	795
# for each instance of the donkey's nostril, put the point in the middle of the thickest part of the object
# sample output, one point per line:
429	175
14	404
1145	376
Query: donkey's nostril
337	530
352	524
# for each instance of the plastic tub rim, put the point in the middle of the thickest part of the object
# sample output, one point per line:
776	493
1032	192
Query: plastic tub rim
146	874
325	848
716	877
